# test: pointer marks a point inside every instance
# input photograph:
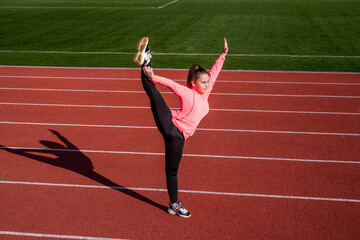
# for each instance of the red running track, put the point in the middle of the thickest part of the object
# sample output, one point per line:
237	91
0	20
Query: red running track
276	158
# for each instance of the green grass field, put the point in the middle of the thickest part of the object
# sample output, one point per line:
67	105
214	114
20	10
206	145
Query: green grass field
320	35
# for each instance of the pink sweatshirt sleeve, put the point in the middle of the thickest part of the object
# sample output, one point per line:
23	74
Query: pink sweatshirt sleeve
214	72
175	87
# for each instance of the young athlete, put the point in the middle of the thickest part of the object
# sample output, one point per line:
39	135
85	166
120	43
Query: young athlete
177	125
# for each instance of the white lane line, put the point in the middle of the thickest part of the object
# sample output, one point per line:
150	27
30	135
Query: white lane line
212	109
188	191
186	155
283	95
186	70
178	54
44	235
181	80
199	129
77	125
278	132
292	83
70	90
73	105
81	78
214	93
280	111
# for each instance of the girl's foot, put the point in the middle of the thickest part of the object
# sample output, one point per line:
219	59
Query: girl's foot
178	209
143	55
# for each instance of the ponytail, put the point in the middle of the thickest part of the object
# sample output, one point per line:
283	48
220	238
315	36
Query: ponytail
194	73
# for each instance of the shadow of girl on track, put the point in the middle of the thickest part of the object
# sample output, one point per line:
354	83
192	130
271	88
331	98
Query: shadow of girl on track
69	157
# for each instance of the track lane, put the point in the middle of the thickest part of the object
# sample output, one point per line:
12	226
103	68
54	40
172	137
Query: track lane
220	87
303	179
215	101
308	219
330	123
219	144
233	75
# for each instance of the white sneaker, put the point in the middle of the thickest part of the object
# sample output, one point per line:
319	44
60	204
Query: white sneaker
143	55
178	209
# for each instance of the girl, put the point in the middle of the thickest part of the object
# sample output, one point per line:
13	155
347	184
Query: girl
177	125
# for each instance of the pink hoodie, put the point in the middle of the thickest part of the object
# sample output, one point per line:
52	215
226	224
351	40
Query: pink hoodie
193	105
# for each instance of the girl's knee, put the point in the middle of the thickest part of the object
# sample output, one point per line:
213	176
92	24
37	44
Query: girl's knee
171	171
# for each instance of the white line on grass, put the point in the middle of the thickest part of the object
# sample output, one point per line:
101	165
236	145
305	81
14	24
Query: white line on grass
181	80
73	7
65	52
188	191
168	4
85	7
259	55
26	234
199	129
142	92
212	109
184	54
187	155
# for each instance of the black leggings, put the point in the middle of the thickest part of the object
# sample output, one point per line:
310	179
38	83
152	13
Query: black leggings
173	138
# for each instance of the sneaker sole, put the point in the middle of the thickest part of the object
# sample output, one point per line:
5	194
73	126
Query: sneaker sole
140	47
183	216
172	212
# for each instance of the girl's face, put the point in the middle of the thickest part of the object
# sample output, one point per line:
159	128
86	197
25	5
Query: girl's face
201	85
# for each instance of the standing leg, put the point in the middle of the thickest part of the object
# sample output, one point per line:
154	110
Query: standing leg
174	144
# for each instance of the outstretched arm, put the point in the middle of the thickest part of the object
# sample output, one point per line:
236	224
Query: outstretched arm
216	68
226	48
175	87
68	144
